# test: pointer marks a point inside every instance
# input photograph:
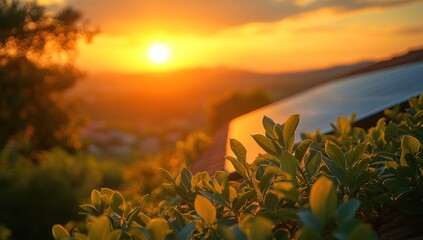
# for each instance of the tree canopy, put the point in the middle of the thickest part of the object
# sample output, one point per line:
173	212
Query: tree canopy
37	53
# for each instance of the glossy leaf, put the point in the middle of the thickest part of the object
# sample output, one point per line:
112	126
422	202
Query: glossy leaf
96	199
335	154
267	145
409	144
158	228
117	202
302	148
167	175
186	177
257	228
309	220
347	210
286	190
59	232
362	231
99	228
205	209
234	233
269	125
395	185
239	167
306	233
289	128
289	164
186	232
323	200
239	150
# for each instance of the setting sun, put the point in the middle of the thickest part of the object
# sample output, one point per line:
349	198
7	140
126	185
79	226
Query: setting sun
159	53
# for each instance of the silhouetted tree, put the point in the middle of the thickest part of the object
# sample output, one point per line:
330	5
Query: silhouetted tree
37	52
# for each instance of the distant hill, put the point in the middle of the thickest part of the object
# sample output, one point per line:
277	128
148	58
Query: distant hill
154	100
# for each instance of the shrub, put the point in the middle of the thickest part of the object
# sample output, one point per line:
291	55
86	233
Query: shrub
327	186
35	196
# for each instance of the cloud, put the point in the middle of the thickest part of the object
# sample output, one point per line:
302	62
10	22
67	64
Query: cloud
208	16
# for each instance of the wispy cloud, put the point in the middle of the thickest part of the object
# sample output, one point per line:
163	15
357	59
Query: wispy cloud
211	16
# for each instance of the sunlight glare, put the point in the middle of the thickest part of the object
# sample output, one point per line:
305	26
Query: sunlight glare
159	53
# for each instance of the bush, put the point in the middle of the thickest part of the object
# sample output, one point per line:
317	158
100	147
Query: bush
327	186
35	196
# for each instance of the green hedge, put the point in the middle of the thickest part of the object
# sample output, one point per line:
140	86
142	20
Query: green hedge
328	186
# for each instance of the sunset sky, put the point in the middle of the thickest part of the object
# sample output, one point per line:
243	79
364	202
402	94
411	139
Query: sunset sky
256	35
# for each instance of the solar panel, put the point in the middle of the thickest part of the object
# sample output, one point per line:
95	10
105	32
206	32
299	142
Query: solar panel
365	95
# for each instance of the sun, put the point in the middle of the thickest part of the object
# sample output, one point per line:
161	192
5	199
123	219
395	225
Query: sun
159	53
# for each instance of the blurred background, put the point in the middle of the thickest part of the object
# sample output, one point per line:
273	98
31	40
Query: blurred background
104	93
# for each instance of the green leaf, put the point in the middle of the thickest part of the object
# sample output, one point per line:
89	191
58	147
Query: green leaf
267	145
323	200
117	202
306	233
335	154
269	126
239	150
391	165
186	177
99	228
347	210
205	209
239	167
234	233
79	236
390	131
286	190
344	230
167	175
214	197
271	201
59	232
96	200
132	215
356	154
182	192
158	228
309	220
302	148
278	214
144	218
313	163
257	228
117	235
268	175
107	191
289	164
335	170
223	180
186	232
89	209
409	144
395	185
289	128
362	231
241	200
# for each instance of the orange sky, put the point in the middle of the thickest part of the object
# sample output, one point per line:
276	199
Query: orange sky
256	35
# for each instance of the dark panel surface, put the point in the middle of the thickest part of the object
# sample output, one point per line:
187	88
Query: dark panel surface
365	95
